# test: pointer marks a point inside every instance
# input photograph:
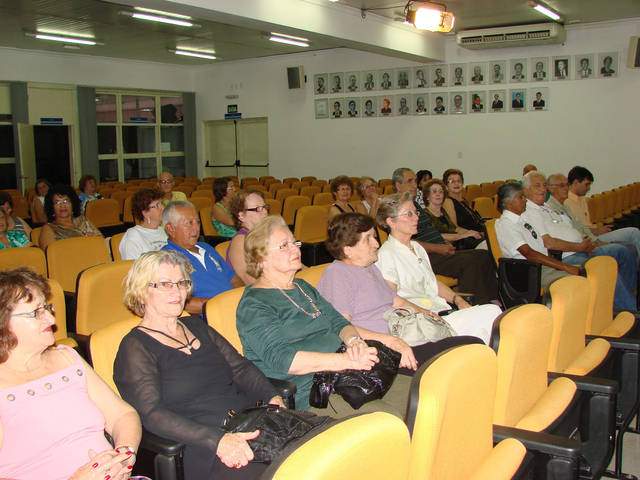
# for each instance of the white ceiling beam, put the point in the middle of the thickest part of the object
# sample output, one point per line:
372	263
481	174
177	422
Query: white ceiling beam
314	19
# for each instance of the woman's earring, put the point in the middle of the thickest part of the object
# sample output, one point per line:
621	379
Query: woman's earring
148	221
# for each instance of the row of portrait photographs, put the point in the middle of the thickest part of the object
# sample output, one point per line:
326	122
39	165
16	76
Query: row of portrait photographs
437	103
518	70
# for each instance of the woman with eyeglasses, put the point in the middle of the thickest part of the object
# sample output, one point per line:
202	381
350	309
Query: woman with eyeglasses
368	190
291	332
406	267
65	220
54	409
247	208
341	189
223	189
148	235
182	376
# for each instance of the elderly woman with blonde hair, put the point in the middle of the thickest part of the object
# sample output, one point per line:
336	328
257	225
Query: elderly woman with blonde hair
182	376
368	190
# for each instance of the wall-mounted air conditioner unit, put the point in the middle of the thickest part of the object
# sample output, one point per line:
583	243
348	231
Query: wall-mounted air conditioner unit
516	36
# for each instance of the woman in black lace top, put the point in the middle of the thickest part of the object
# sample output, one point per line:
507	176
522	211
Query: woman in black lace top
458	209
182	377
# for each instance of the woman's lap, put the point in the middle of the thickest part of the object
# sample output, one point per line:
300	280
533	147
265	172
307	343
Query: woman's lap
476	321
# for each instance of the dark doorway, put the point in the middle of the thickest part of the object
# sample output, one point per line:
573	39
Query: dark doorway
52	153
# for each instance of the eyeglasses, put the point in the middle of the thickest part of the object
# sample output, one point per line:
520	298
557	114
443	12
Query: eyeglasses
530	228
62	202
454	180
344	189
165	182
168	286
285	245
258	209
38	313
371	185
408	214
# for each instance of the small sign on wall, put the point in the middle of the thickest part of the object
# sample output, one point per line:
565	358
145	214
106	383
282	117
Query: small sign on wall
50	120
232	108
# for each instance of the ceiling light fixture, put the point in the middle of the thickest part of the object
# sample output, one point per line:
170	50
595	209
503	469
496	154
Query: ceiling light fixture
192	53
289	39
544	10
162	13
61	38
158	18
430	16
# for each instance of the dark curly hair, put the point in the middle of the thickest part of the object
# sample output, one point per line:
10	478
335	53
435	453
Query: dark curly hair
4	198
220	187
345	230
20	284
338	181
61	190
141	199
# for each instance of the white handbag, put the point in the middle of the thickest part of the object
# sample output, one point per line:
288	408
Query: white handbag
416	328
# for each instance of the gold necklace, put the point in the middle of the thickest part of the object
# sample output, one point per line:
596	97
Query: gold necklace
316	312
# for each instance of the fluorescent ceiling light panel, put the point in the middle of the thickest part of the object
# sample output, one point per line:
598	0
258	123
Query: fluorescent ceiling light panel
545	11
61	33
161	13
188	53
289	39
59	38
300	39
156	18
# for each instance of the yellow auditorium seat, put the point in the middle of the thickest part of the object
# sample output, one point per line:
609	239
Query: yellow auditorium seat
323	198
283	193
205	220
310	191
103	213
204	192
60	312
200	202
485	207
221	248
114	243
275	206
33	257
220	314
291	205
68	257
313	274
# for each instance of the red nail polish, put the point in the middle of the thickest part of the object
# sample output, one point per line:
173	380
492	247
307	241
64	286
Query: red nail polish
107	477
95	465
130	467
129	452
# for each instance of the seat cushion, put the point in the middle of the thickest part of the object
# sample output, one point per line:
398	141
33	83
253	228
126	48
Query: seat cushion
549	406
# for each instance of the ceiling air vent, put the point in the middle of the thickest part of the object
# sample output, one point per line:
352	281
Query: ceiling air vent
516	36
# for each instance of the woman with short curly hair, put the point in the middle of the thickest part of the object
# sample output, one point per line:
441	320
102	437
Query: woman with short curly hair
148	235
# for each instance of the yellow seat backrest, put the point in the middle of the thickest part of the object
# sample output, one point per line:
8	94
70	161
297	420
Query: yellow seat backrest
291	205
68	257
205	220
33	257
103	213
60	312
114	243
99	297
485	207
311	224
275	206
313	274
492	240
200	202
323	198
220	312
284	193
222	247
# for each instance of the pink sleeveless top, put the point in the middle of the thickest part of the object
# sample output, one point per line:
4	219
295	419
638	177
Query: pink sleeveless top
49	425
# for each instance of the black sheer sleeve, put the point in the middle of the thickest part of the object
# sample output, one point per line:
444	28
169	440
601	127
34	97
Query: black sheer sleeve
136	374
249	379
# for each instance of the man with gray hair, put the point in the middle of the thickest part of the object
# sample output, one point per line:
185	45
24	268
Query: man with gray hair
557	233
474	269
211	274
518	239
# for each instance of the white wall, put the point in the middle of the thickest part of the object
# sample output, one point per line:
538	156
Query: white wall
591	123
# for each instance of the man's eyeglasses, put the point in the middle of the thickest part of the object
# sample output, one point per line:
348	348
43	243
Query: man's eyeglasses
165	182
37	313
168	286
258	209
285	245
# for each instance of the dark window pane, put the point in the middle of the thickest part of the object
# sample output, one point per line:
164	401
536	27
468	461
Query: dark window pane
171	109
108	170
138	139
138	109
139	168
172	139
107	140
174	165
6	141
106	108
7	175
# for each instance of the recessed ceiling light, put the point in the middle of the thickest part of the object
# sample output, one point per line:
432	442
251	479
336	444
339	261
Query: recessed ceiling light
162	13
157	18
63	33
545	11
289	39
191	53
61	38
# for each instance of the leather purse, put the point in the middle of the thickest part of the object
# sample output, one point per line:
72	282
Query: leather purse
278	427
416	328
357	387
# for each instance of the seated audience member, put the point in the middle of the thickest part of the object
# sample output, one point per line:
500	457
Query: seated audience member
456	206
11	238
247	208
88	191
341	189
54	409
221	218
434	195
291	332
65	220
406	267
557	233
355	287
368	191
42	188
518	239
474	269
422	177
182	376
165	185
13	223
580	180
529	167
211	274
148	234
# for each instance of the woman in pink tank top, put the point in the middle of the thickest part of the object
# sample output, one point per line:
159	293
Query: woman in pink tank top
54	409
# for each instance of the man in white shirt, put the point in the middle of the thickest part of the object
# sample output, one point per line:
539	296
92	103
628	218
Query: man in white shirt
518	239
558	233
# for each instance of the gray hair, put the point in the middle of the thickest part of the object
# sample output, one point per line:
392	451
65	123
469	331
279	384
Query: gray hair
526	179
554	175
390	206
171	214
506	192
360	185
398	176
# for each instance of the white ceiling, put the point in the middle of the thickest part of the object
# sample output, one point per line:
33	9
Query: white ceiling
124	37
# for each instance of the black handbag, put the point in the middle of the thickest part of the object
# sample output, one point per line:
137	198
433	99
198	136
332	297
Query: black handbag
278	426
357	387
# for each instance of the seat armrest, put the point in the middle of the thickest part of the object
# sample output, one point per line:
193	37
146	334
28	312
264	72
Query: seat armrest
157	444
588	384
617	343
539	442
287	390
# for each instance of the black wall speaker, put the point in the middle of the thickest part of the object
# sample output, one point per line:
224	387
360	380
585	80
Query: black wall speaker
295	77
